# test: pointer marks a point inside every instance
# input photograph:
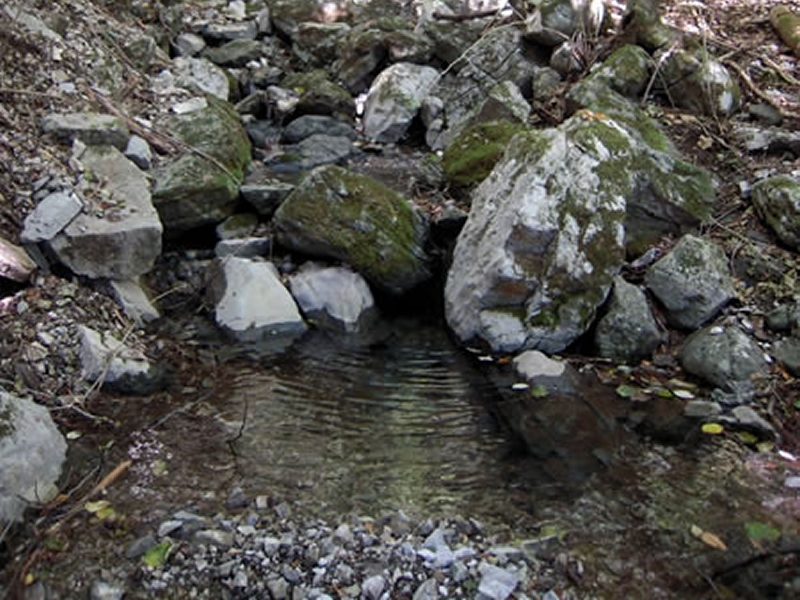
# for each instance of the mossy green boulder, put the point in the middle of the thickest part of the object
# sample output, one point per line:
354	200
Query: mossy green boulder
335	213
550	226
319	95
194	191
665	195
473	154
777	200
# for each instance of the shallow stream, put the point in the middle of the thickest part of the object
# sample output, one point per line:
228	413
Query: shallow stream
404	422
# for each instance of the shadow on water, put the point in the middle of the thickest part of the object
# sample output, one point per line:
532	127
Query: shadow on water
402	420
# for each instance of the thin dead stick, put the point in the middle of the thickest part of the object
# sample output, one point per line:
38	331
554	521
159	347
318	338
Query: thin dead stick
154	138
466	16
30	93
781	73
105	482
750	85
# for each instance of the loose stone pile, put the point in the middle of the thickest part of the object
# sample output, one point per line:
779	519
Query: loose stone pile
268	554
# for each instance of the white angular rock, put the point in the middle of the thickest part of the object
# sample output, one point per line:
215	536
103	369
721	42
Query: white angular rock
15	264
124	239
50	216
104	356
245	247
250	301
394	100
189	44
31	454
138	152
334	296
201	75
496	583
544	238
134	300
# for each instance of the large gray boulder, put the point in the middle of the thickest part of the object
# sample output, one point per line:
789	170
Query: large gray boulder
693	282
722	355
667	195
394	100
32	452
250	301
627	332
544	238
194	191
334	297
121	239
777	200
338	214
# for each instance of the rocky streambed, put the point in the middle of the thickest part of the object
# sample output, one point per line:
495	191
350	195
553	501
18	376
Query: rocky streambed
388	300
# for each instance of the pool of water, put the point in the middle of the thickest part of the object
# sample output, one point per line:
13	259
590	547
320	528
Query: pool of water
404	422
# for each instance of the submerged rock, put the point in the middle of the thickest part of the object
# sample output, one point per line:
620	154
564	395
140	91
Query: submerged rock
693	282
333	297
250	301
32	452
722	355
339	214
121	240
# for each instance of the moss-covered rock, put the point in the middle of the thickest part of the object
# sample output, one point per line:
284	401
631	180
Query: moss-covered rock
319	95
666	195
695	81
543	240
473	154
338	214
193	191
777	201
626	70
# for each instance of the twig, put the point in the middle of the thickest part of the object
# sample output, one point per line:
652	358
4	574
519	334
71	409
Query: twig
243	424
30	93
781	73
112	476
750	85
481	14
154	138
180	409
657	72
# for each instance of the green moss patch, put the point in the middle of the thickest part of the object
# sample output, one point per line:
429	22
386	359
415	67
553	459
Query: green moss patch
474	153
